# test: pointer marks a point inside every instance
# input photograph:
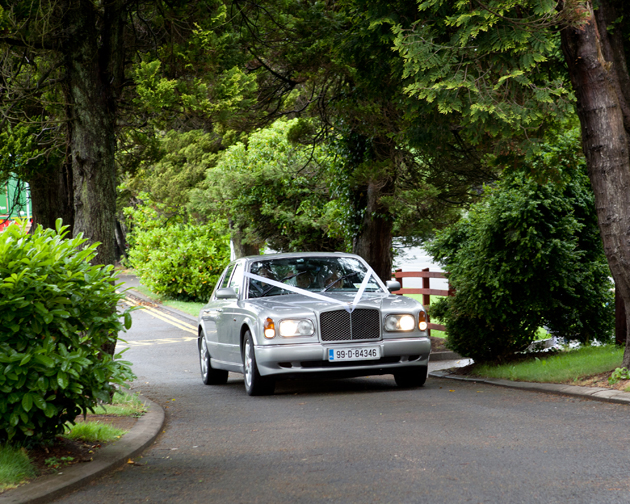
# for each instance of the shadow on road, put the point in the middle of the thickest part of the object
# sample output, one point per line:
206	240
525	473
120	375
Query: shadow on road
313	386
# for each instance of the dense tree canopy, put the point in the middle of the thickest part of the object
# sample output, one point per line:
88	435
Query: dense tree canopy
490	62
392	114
80	78
274	191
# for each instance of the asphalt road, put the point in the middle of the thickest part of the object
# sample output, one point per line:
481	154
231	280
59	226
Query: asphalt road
360	440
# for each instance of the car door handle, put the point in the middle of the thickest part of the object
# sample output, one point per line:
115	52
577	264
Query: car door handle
211	312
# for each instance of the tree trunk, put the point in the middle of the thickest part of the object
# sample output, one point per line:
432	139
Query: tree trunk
374	241
94	75
92	137
621	324
51	197
605	139
241	249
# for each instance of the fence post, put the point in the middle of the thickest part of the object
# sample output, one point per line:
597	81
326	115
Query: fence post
399	270
426	298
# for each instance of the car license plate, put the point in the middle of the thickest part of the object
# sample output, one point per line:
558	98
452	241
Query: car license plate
353	354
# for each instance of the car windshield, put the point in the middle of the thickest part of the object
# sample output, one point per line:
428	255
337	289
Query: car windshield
315	274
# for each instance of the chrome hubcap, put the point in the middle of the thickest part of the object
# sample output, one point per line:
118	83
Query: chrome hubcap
248	365
203	360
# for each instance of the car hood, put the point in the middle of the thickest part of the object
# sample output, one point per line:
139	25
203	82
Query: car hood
295	303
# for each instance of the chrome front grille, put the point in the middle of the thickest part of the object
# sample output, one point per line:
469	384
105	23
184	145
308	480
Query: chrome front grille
339	325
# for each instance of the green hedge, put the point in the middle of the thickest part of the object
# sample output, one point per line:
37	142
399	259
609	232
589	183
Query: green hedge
56	312
528	255
177	260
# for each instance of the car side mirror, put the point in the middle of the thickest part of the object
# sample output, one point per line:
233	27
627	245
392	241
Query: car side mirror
392	285
226	293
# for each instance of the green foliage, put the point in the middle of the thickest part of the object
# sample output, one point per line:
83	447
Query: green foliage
335	62
56	313
173	258
177	163
528	255
196	73
58	462
273	190
19	152
619	374
494	64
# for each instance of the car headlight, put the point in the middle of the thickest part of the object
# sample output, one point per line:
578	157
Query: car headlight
400	323
298	327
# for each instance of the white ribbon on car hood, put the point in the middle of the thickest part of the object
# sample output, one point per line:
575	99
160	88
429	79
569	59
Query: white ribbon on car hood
349	307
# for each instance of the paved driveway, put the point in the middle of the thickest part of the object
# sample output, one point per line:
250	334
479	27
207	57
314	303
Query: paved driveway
360	440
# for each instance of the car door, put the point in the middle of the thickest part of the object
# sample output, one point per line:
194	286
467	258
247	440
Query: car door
213	316
233	317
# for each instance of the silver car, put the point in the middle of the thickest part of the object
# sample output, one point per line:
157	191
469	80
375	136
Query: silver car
288	315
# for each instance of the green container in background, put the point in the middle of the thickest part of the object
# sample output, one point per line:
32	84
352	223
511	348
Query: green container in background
15	201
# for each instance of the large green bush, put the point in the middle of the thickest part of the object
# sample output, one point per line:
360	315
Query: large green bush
56	312
529	255
174	259
274	190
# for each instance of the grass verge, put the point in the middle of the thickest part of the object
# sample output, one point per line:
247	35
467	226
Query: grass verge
122	405
15	467
564	367
190	307
93	432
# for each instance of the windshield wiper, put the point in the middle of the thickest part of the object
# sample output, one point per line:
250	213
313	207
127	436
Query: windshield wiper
339	279
288	277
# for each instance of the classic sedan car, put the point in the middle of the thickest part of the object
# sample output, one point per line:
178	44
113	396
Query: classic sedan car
288	315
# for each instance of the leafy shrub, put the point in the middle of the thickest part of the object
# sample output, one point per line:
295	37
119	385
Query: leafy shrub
620	373
56	312
177	260
528	255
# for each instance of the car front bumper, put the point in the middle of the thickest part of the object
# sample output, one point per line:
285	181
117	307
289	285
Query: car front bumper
309	358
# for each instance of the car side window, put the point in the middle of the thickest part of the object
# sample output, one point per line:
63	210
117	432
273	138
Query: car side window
237	278
226	277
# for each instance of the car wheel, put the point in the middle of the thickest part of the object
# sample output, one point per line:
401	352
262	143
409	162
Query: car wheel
209	375
254	383
411	377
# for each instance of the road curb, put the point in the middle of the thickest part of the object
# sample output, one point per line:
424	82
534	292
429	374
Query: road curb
594	393
444	356
115	455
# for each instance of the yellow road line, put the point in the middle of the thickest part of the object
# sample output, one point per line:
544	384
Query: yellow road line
161	341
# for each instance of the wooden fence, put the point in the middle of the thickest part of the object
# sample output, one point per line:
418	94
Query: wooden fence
426	289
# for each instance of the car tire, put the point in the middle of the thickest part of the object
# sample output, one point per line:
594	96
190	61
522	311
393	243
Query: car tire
209	375
411	377
255	385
